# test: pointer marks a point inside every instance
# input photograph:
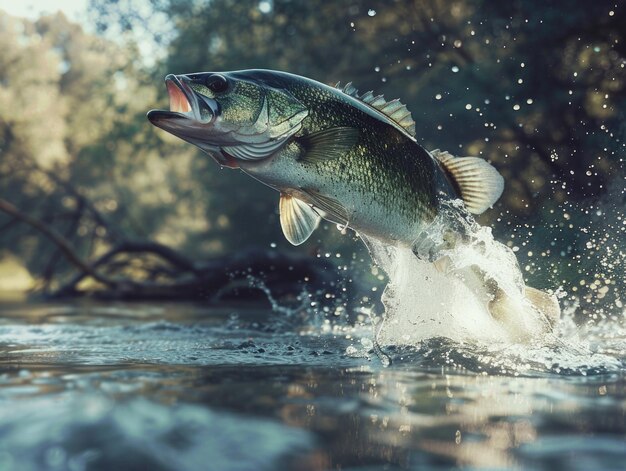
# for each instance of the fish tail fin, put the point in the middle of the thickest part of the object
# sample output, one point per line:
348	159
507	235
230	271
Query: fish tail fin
500	305
478	183
545	303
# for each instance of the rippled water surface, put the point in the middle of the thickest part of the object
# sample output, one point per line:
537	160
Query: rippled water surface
184	387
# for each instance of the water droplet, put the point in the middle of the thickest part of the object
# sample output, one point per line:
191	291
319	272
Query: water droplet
438	96
265	6
468	106
454	69
371	12
55	456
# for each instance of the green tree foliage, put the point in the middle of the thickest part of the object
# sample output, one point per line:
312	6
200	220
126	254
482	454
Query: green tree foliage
78	154
545	80
537	87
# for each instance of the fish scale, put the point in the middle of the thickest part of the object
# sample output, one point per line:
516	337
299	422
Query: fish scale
384	166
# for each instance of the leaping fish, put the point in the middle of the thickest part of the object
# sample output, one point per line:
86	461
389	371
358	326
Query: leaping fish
332	153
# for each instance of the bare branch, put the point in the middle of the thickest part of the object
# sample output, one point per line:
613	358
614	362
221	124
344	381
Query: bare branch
57	239
171	256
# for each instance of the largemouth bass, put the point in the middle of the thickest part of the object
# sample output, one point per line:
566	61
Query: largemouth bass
331	152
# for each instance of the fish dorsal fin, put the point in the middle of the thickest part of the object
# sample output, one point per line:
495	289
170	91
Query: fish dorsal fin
297	219
348	89
479	184
393	109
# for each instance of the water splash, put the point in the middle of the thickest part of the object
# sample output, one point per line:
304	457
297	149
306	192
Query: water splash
474	290
468	310
471	309
596	348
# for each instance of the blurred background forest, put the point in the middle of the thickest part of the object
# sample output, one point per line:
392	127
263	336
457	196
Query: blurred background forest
88	186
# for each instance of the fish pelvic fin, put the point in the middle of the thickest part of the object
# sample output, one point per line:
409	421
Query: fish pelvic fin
333	209
478	182
297	219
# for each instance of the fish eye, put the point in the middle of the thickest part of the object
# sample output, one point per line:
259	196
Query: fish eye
216	83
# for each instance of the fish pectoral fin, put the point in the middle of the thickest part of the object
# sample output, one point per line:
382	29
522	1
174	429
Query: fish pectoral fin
328	144
335	211
478	182
297	219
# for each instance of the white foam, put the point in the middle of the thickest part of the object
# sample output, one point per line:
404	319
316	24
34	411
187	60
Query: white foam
453	299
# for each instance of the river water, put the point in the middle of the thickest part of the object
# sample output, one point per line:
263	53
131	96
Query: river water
187	387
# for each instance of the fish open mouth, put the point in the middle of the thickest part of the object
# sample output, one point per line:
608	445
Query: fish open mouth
178	100
184	103
191	117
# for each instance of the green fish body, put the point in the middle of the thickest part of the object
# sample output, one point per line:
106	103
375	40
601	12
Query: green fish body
330	152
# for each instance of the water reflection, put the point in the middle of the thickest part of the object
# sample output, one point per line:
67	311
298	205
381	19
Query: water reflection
97	392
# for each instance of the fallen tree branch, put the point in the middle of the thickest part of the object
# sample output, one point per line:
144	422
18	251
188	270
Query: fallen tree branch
214	280
132	247
48	271
82	200
284	273
58	240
